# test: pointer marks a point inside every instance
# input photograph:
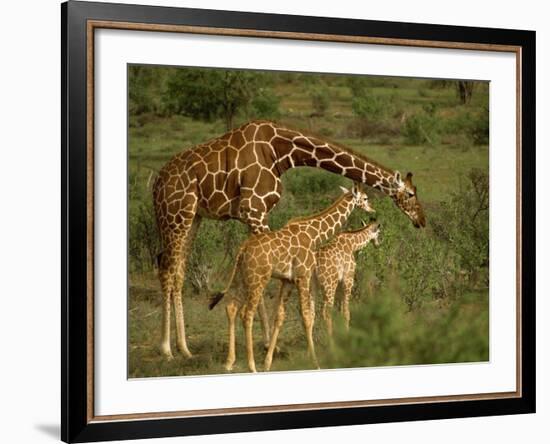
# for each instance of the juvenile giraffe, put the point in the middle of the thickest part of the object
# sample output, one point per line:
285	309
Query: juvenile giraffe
336	263
238	176
287	254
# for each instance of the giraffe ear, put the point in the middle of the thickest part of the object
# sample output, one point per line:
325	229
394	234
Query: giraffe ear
398	180
408	178
344	190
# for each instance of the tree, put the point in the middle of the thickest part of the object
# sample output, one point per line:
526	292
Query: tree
210	93
139	84
464	89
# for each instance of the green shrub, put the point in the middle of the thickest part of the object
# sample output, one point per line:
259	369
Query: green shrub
204	93
320	99
370	107
438	262
359	84
384	333
145	84
265	105
422	128
423	93
139	91
463	222
212	254
143	240
372	114
473	125
480	129
325	131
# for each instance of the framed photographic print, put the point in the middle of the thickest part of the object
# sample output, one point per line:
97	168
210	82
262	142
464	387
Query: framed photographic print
275	221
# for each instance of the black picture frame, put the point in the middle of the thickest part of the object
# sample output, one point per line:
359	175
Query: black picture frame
76	326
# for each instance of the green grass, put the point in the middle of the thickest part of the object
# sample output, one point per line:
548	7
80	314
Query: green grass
384	331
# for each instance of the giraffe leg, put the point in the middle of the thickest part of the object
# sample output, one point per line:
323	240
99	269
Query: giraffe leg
257	222
307	309
178	309
348	285
177	291
279	319
167	267
249	309
328	303
248	320
231	310
166	307
265	322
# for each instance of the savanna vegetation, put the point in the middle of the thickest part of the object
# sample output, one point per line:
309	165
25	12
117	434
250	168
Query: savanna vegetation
420	298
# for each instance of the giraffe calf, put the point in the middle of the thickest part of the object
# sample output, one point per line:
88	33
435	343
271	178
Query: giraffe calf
287	254
336	263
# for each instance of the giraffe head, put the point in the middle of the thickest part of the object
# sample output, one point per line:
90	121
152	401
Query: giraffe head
405	197
360	198
373	230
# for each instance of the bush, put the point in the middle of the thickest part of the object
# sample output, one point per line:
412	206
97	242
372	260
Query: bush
143	240
359	84
383	333
364	128
265	105
139	90
423	267
474	126
208	94
423	127
463	222
370	107
320	100
371	114
480	128
441	261
423	93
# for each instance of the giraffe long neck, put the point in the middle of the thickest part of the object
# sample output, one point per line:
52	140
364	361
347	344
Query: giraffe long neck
326	224
295	149
359	238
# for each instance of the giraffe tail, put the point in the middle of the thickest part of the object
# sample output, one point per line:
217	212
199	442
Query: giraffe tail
159	259
315	284
217	297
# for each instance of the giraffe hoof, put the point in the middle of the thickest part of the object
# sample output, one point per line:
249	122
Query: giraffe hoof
185	352
167	353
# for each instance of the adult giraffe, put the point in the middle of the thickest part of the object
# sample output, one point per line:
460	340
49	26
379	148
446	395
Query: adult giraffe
237	176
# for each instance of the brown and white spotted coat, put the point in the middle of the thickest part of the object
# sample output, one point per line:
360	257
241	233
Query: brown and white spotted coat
336	264
238	176
287	254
